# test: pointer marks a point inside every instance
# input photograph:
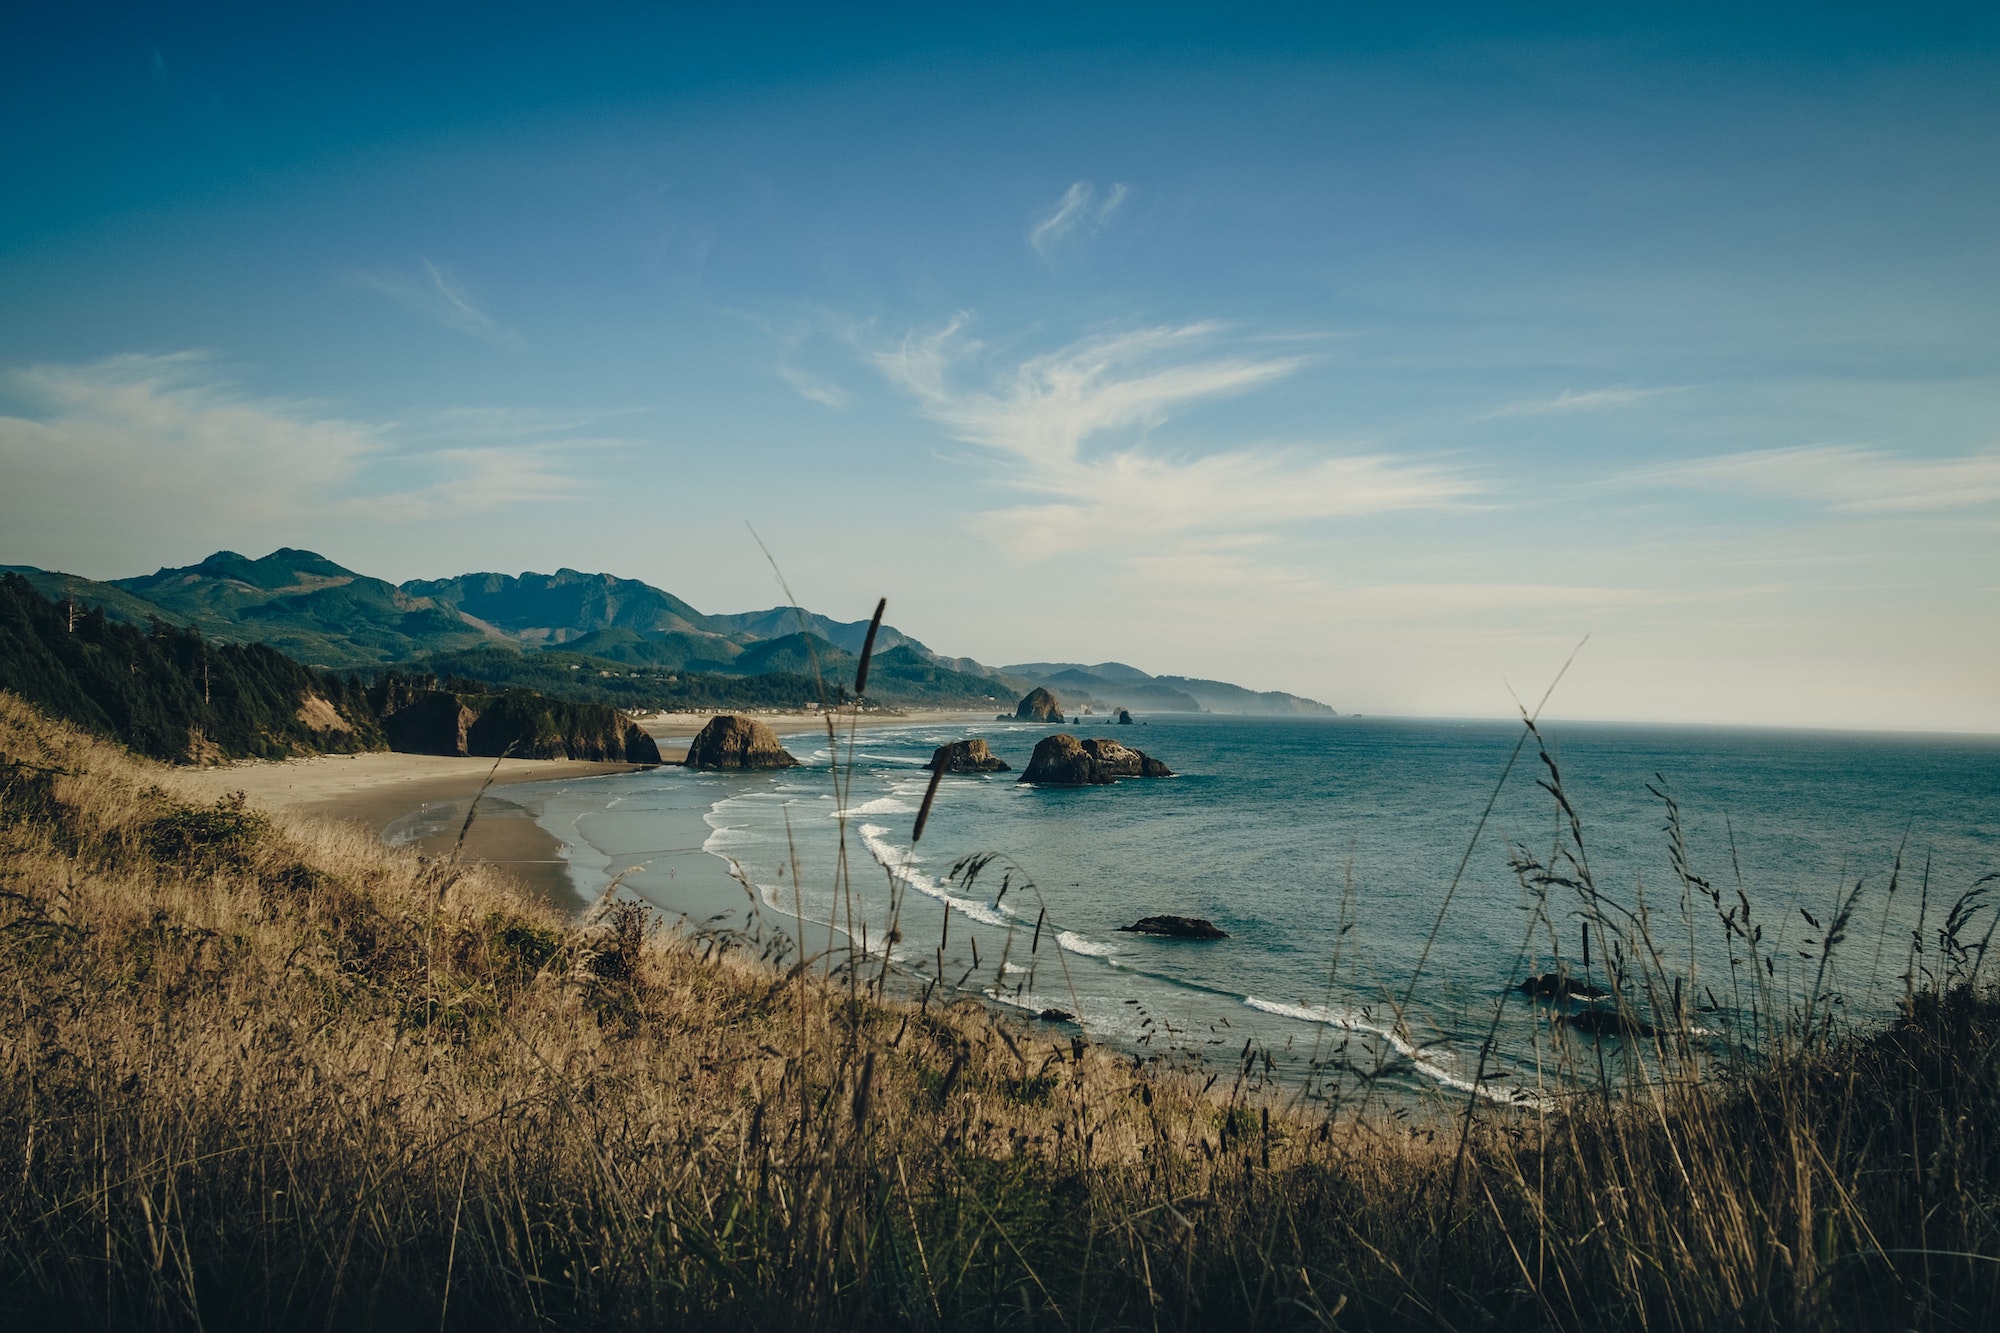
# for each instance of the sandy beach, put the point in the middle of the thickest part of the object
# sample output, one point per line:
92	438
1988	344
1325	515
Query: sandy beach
376	790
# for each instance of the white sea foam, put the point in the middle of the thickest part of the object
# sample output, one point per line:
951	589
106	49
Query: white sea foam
1351	1022
1076	943
881	805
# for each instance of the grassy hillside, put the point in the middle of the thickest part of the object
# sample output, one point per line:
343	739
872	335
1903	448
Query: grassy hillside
261	1073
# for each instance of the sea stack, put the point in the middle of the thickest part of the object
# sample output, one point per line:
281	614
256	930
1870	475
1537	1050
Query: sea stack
1124	718
731	742
967	757
1061	761
1038	706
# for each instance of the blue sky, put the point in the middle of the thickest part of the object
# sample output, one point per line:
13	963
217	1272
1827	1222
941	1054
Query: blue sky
1375	359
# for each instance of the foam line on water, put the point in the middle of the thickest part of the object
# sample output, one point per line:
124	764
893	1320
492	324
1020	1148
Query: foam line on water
899	861
1349	1022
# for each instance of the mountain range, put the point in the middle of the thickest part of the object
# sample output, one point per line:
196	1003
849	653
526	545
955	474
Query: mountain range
618	634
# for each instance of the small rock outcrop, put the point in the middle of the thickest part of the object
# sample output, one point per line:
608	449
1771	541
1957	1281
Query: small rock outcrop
1038	705
733	742
1176	928
1057	1016
1124	717
1560	985
967	757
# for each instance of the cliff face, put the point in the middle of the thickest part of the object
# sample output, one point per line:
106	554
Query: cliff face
732	742
519	724
432	722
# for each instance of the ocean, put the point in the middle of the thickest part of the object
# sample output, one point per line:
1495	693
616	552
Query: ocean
1327	848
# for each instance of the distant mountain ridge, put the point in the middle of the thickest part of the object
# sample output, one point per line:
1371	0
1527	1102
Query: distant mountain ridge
332	617
1117	685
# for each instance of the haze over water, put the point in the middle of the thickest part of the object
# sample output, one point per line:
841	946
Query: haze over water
1270	824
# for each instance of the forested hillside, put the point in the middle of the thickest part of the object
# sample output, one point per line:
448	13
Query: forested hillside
169	693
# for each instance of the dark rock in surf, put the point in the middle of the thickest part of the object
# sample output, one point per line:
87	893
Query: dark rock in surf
1176	928
1560	985
1124	718
1062	760
1038	705
732	742
1603	1021
1056	1016
971	756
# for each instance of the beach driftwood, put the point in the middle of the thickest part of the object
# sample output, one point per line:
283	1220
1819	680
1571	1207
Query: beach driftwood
971	756
731	742
1176	928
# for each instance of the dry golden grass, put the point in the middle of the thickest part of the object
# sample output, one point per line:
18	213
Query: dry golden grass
259	1072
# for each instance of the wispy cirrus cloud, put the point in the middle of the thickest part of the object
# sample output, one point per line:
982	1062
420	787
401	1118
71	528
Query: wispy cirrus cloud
1570	400
156	447
811	387
1076	422
1844	478
1081	210
439	295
